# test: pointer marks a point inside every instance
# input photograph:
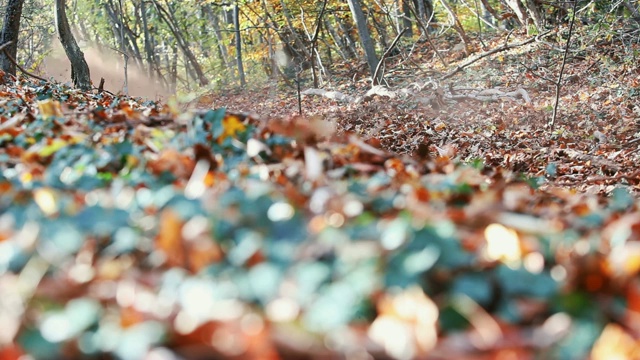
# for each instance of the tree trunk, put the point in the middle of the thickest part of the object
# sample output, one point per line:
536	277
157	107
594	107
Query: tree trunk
334	38
491	10
380	29
236	25
457	26
79	68
300	47
172	63
127	38
422	12
519	10
10	32
406	10
533	7
148	49
166	17
347	40
635	15
222	48
365	37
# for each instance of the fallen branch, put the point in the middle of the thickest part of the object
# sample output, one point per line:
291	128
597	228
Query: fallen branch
333	95
489	53
413	90
598	179
492	95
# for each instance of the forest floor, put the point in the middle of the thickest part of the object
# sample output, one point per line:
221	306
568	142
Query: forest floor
592	147
434	224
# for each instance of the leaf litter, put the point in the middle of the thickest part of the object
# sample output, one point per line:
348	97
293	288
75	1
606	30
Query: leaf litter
134	229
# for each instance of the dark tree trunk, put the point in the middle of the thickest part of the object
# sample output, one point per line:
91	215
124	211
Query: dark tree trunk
406	10
79	68
10	32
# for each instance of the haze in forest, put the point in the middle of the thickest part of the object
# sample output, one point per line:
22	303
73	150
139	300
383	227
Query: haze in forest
103	63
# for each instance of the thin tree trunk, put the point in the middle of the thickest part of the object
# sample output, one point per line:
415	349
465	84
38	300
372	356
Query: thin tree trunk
147	39
533	7
236	25
406	10
314	57
125	86
365	37
10	32
173	66
380	29
334	38
126	37
397	14
79	68
490	9
166	17
422	12
458	27
347	39
300	45
635	15
519	10
222	49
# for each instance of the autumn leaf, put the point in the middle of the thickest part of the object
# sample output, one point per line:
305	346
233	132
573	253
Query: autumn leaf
232	126
50	108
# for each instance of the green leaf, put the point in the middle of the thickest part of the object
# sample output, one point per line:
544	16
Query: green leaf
621	199
214	118
522	282
477	286
265	280
37	346
552	169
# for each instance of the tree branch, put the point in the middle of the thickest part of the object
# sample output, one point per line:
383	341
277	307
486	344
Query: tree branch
489	53
386	54
3	47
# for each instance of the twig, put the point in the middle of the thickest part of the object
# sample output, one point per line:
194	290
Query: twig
631	142
536	74
385	55
564	62
488	53
3	47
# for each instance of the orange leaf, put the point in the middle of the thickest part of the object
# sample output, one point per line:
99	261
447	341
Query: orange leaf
169	239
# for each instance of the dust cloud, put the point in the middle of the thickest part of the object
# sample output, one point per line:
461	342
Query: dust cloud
104	63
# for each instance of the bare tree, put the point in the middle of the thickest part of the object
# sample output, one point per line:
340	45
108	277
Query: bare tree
10	32
79	68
